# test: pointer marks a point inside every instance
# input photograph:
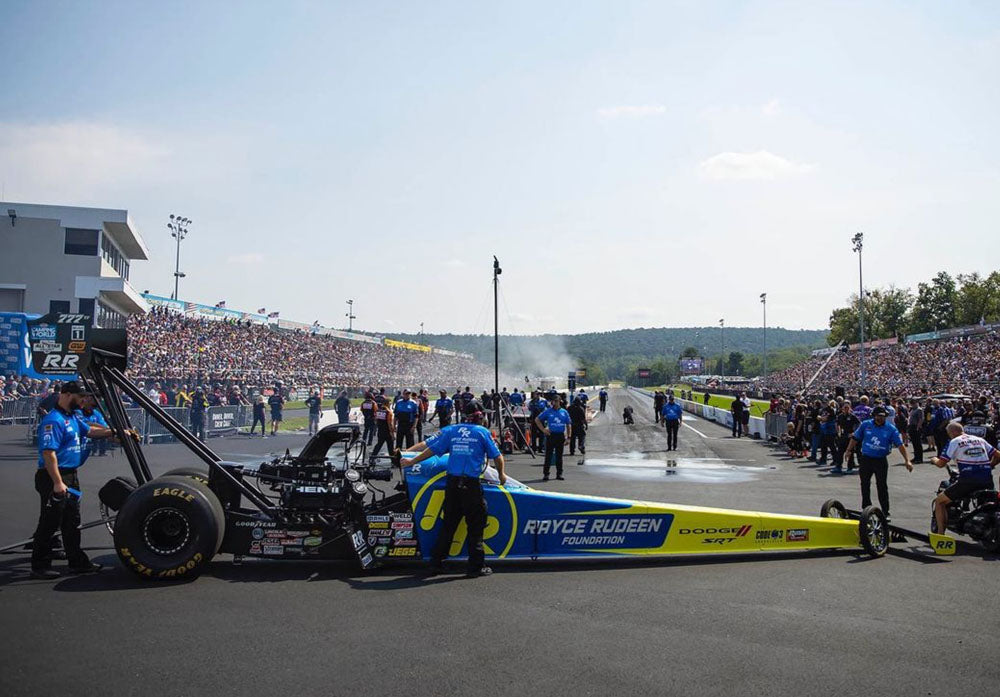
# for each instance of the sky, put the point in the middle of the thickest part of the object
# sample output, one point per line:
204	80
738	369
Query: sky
632	164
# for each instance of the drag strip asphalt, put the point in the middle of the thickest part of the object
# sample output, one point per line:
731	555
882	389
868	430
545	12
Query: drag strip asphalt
757	624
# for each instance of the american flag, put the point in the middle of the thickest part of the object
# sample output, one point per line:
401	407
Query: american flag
189	307
221	304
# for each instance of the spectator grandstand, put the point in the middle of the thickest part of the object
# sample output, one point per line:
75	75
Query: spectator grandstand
964	365
167	346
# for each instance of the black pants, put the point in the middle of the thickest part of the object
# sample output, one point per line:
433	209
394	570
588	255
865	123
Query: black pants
579	437
384	438
368	434
656	412
737	426
554	443
257	419
537	436
57	514
879	466
940	440
463	497
673	426
420	427
404	432
827	446
444	420
918	444
604	404
198	427
840	447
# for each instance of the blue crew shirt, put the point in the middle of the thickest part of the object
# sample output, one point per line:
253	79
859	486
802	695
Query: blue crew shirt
671	411
444	406
582	395
468	446
877	441
62	433
86	444
555	420
516	399
405	406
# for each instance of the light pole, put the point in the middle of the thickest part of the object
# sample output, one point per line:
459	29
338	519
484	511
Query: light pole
178	227
858	241
722	332
350	315
496	325
421	329
763	301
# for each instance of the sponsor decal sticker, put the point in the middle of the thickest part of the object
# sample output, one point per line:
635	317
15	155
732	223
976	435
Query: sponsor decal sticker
379	525
405	543
77	346
273	550
403	552
378	519
312	541
255	524
797	535
402	526
298	533
255	548
275	534
257	533
403	534
357	539
770	535
381	551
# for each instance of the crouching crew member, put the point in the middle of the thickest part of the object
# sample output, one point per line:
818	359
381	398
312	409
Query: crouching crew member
467	445
58	486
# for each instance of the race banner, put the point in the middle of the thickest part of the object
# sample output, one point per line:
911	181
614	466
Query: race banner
222	419
60	343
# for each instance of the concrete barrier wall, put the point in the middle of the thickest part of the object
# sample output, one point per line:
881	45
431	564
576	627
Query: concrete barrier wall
757	426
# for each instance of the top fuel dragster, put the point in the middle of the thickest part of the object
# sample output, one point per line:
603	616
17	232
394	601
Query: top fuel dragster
328	502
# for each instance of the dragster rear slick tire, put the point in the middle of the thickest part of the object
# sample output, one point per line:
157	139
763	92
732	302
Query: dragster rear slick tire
873	531
169	529
193	472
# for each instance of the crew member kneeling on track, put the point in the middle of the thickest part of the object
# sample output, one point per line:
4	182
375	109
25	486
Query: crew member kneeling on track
57	484
468	445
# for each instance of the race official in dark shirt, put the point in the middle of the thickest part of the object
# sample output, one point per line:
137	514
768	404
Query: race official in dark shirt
847	423
277	404
578	417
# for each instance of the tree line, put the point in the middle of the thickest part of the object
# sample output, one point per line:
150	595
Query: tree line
941	303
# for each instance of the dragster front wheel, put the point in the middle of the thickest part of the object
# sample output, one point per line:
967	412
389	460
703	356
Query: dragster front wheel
833	508
873	529
195	473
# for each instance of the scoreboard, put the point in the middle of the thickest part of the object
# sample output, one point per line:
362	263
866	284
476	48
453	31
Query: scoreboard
692	366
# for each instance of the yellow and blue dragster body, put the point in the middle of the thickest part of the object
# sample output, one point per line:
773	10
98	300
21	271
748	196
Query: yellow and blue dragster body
525	523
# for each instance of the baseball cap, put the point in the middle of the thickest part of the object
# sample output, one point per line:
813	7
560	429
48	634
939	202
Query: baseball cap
879	411
73	387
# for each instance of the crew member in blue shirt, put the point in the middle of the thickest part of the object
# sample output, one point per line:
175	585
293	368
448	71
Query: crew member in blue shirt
467	445
57	483
516	399
90	415
535	407
672	413
443	408
877	438
555	423
405	411
602	396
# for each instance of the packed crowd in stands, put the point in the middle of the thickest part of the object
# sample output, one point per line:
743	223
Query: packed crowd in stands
967	365
169	347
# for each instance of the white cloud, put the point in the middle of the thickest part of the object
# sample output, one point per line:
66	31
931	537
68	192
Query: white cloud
772	108
246	259
74	160
639	312
760	165
625	111
455	264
